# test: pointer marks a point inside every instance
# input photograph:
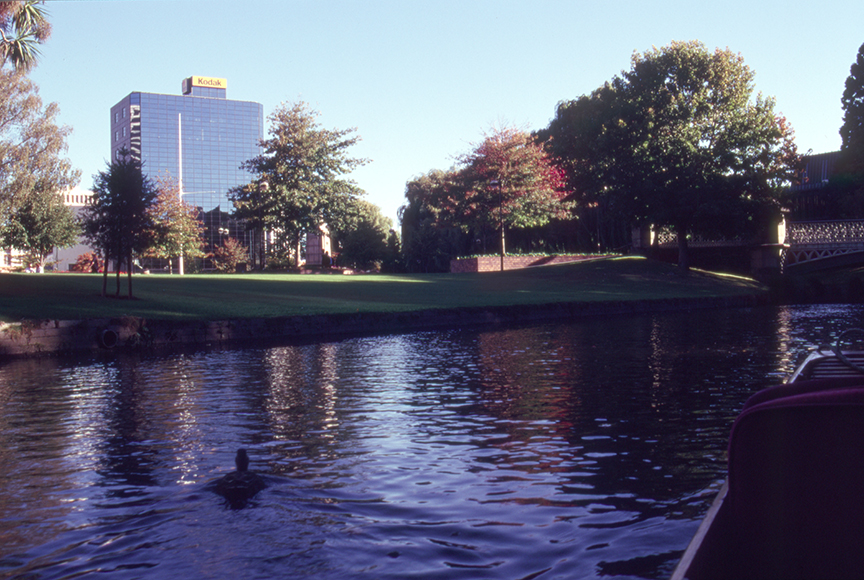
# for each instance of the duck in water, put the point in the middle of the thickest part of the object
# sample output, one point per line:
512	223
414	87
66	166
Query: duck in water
239	486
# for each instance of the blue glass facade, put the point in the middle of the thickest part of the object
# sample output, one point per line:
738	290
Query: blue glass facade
211	134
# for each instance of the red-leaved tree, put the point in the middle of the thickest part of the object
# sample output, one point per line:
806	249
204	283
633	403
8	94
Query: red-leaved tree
507	181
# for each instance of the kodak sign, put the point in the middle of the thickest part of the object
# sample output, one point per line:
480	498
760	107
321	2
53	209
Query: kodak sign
210	82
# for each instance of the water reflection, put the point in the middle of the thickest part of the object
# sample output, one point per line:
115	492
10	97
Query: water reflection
579	450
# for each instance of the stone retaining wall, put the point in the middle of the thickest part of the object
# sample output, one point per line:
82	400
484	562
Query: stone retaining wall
47	337
493	263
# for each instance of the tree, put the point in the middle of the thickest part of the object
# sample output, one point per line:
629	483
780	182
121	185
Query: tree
363	237
428	242
32	146
852	131
177	229
584	140
118	220
43	222
229	255
23	26
507	181
679	141
299	181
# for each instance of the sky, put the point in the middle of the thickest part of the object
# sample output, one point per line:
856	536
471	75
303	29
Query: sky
422	81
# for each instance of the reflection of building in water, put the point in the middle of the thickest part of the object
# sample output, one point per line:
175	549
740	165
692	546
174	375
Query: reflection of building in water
200	138
302	382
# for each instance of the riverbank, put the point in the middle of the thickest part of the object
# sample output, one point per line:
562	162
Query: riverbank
58	337
54	314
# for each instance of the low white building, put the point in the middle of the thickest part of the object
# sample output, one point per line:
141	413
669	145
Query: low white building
64	258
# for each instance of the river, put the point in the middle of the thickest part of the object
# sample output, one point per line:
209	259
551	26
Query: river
585	449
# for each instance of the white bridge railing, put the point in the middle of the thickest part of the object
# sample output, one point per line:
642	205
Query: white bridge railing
812	241
667	238
825	232
803	241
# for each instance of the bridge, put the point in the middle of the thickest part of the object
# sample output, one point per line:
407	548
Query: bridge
803	246
818	245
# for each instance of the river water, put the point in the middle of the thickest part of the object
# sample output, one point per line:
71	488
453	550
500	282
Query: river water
581	450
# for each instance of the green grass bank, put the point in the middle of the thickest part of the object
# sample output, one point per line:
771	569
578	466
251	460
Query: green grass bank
245	306
218	296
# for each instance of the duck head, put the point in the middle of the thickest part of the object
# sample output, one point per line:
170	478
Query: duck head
242	460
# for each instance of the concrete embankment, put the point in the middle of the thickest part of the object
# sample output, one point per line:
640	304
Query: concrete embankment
58	337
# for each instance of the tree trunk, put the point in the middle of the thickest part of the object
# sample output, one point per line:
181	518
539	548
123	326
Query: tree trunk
129	275
105	274
683	252
503	247
117	267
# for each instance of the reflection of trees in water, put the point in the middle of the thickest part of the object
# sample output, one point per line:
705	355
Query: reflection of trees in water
49	443
635	398
128	455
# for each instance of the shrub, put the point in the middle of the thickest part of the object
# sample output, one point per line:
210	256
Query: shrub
86	262
227	256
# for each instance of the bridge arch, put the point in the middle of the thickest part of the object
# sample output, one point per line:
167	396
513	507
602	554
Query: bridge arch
817	245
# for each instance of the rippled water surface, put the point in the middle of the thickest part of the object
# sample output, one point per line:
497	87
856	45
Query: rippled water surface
580	450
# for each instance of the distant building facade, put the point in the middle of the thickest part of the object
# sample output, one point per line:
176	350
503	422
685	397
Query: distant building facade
807	199
319	248
199	139
62	258
65	258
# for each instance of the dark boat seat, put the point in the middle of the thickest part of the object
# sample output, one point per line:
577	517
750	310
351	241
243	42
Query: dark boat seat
796	481
801	388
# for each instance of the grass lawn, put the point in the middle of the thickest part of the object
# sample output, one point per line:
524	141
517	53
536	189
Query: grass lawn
253	295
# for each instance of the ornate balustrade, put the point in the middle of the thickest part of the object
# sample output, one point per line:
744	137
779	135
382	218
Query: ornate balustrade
802	242
825	232
808	242
667	238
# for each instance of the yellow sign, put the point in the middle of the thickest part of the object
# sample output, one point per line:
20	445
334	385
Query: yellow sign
210	82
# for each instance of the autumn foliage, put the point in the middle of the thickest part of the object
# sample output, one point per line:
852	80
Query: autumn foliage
506	181
229	255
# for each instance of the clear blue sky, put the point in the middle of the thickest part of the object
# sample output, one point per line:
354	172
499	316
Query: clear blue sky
422	80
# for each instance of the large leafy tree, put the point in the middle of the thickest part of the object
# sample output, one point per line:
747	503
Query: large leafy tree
679	141
23	26
507	181
118	220
177	227
428	243
32	147
43	222
362	237
852	130
846	187
299	181
585	138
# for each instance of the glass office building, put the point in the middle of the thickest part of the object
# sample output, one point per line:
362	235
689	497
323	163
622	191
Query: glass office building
200	138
